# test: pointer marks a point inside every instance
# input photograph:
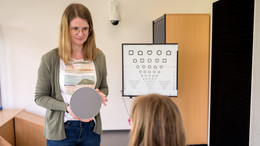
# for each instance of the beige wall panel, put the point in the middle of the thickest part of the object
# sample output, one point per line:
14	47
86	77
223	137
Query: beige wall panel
191	32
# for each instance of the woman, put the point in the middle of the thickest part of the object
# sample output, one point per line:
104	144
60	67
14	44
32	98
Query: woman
74	64
156	121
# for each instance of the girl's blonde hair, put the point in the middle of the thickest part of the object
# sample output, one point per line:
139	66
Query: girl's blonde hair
89	48
156	122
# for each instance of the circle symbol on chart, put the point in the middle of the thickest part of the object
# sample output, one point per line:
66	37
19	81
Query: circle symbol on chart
143	66
159	52
161	67
142	60
134	60
149	60
137	66
155	67
164	60
157	60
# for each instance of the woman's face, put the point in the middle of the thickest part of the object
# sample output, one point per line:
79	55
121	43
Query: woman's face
79	31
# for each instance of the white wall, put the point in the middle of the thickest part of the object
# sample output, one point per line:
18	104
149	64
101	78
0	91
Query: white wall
29	28
255	100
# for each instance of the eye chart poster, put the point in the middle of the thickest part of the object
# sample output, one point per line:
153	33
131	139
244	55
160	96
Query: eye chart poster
149	68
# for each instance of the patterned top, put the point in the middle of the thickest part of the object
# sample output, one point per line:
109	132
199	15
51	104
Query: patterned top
74	75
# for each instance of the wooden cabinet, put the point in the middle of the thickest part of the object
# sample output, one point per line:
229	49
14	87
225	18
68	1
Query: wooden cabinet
191	32
29	130
21	128
7	131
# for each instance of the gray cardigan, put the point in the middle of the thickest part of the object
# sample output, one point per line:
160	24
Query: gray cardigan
48	94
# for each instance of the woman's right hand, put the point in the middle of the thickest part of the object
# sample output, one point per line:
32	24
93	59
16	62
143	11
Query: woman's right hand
75	117
71	113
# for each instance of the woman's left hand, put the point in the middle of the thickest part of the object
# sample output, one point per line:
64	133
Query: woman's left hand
103	97
86	120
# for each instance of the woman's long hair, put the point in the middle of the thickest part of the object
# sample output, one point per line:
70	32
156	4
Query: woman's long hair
156	122
89	48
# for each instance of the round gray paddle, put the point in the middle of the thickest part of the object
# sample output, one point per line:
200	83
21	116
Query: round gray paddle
85	103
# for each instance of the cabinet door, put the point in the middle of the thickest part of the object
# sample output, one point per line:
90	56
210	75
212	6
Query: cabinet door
191	32
159	33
